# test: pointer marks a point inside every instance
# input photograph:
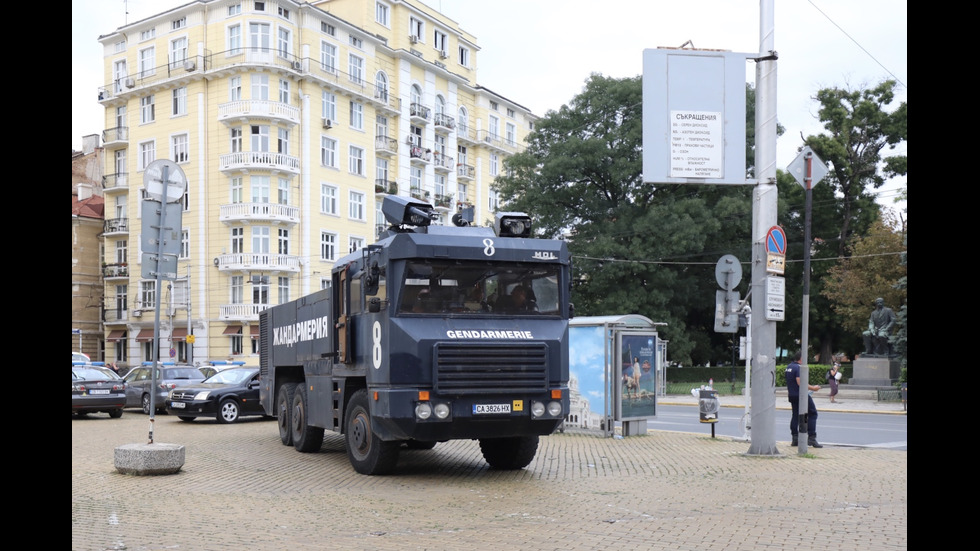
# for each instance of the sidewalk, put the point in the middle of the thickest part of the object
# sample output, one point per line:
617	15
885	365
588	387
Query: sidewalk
847	400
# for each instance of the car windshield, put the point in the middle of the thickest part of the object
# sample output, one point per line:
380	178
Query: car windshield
92	373
231	376
182	373
482	288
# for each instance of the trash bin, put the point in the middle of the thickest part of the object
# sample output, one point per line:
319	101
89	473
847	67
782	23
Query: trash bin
708	406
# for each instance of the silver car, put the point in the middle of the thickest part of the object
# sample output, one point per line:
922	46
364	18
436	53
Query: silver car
139	384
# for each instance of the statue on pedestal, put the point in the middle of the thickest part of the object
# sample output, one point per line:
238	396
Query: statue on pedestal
876	338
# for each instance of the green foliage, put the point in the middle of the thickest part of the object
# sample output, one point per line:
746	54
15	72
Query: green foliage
637	248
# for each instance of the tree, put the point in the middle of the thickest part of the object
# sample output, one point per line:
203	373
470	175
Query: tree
637	248
859	128
873	269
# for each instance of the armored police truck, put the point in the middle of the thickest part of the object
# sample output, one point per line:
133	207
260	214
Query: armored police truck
431	334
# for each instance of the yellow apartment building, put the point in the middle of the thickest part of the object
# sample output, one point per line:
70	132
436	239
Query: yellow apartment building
291	121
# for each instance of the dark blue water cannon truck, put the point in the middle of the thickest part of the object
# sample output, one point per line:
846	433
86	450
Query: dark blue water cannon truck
433	333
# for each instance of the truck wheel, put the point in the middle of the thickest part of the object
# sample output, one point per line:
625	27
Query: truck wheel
368	454
509	453
284	405
305	438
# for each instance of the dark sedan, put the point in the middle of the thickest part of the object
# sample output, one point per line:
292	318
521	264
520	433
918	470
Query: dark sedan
96	389
139	384
226	396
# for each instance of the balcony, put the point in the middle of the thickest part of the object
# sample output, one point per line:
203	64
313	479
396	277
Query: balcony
420	194
494	141
184	69
244	161
238	112
465	172
420	154
465	135
259	212
115	225
115	137
388	101
444	123
117	270
339	81
385	146
265	262
115	315
444	202
241	312
382	187
443	163
115	182
420	114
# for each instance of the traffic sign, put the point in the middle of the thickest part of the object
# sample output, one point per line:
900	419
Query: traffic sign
776	240
775	298
807	168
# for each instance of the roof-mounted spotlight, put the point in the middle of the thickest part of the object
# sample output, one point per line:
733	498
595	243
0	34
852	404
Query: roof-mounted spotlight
401	211
512	224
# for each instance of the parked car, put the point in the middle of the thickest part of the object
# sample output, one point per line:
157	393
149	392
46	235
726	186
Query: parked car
227	395
79	357
139	383
215	366
96	389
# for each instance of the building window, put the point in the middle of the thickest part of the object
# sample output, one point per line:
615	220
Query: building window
492	200
178	52
439	185
121	300
464	56
283	12
237	240
415	180
121	161
356	42
329	106
119	74
185	244
511	134
285	42
148	34
260	138
416	29
260	190
356	69
494	164
356	206
179	148
327	28
328	152
122	251
236	140
324	283
180	101
234	33
494	106
284	91
119	46
382	13
234	9
381	171
356	160
328	56
237	190
328	246
147	62
440	41
148	295
461	192
282	142
356	244
148	110
260	87
494	126
283	290
178	23
283	241
415	135
260	240
121	352
356	115
259	6
148	154
328	199
235	88
237	289
462	122
283	191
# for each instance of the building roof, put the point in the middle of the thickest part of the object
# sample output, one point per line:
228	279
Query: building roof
93	207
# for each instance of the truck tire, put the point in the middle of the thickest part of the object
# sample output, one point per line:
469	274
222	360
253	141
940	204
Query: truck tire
368	454
284	406
306	439
509	453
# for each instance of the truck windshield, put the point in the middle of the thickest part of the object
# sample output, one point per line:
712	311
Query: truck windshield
481	288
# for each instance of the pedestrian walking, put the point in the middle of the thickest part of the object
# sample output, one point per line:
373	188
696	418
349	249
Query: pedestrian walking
833	379
793	386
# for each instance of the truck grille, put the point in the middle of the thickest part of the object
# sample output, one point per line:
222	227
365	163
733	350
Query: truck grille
470	369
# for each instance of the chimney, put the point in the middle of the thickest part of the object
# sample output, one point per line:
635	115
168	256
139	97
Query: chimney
90	143
84	191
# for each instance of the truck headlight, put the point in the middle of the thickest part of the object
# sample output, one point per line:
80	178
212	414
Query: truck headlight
423	411
554	409
442	411
537	409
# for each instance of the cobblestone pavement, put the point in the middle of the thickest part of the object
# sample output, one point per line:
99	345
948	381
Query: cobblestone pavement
240	488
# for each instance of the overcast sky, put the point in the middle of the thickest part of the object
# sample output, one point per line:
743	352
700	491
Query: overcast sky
539	53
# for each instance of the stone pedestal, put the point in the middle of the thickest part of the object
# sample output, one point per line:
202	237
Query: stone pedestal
635	428
875	371
149	459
